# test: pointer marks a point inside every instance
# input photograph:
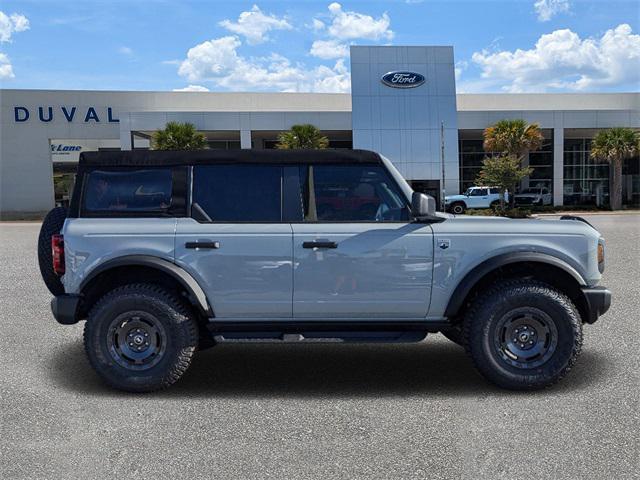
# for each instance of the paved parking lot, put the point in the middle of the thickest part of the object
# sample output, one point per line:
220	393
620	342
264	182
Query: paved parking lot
316	411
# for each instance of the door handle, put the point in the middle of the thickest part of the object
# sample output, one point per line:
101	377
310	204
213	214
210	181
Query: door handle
202	245
323	244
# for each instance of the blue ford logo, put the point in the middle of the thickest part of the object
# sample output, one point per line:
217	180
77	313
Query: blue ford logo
403	79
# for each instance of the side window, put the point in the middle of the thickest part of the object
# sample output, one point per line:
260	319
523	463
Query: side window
494	191
477	192
351	193
128	191
237	193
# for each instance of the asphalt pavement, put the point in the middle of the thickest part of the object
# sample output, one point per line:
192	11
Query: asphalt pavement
316	411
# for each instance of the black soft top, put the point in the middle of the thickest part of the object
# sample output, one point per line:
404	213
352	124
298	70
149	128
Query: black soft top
128	158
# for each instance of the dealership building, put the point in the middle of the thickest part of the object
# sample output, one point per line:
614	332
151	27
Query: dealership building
403	104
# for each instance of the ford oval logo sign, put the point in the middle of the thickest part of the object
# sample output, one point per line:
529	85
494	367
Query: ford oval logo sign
403	79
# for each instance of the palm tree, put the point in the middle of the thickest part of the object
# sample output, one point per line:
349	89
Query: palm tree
614	146
178	136
302	136
513	139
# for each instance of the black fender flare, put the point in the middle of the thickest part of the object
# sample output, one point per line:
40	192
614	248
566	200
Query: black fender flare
179	274
479	271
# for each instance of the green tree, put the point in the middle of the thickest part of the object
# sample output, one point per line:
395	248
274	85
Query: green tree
178	136
302	136
504	172
614	146
514	139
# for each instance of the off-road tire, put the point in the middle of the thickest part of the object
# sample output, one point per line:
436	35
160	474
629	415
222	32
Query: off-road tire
51	225
495	204
490	308
174	320
458	208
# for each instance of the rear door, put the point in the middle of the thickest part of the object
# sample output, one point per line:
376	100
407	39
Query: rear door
236	244
356	254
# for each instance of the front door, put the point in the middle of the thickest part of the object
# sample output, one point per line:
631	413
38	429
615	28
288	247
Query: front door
478	198
236	245
356	254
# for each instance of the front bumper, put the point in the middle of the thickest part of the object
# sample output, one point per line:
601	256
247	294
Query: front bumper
598	300
65	309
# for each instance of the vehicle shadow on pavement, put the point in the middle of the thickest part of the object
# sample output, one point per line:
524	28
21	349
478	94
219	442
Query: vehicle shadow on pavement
435	368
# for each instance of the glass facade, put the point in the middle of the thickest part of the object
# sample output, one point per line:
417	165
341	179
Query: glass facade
542	163
586	181
472	154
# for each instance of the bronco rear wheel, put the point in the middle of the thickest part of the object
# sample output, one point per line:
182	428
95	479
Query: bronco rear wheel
523	335
140	338
51	225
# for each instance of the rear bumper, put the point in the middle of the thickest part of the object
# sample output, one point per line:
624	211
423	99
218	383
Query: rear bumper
598	302
65	309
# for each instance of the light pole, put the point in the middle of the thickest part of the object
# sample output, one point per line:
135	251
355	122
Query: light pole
442	189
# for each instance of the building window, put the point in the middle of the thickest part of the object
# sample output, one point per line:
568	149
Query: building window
223	144
586	181
472	154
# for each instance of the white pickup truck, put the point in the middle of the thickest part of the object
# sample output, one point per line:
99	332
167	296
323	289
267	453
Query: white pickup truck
474	197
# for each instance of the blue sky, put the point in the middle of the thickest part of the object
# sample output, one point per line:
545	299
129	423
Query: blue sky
514	46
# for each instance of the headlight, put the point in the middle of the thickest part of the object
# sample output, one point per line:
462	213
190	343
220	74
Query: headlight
600	255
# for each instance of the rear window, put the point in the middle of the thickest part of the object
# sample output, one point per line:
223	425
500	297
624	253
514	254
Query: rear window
237	193
128	191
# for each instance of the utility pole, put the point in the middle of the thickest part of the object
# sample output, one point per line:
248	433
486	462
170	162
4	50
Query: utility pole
442	189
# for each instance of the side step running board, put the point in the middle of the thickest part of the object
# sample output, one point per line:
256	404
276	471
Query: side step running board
320	337
318	331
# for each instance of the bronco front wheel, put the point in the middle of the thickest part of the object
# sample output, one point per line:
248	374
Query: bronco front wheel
523	334
140	338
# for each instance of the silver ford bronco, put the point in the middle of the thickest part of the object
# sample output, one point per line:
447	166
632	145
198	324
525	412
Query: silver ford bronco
165	253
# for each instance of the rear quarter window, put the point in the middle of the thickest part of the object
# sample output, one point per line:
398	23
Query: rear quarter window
132	191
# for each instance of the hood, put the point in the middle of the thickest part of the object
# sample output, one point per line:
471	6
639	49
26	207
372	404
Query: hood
501	225
449	198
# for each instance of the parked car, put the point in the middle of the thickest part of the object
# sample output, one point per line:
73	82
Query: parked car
474	197
533	196
166	253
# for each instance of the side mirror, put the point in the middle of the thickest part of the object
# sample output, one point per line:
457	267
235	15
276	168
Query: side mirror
423	206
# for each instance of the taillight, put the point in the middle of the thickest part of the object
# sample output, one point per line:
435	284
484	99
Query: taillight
57	253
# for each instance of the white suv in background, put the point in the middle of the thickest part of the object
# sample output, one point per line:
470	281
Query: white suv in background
534	196
474	197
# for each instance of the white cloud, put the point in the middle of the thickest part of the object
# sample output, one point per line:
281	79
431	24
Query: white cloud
192	88
10	24
547	9
6	70
328	49
254	25
347	25
218	61
125	51
317	25
562	60
460	67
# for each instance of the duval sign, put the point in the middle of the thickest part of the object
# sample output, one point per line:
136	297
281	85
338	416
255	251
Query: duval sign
402	79
46	114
